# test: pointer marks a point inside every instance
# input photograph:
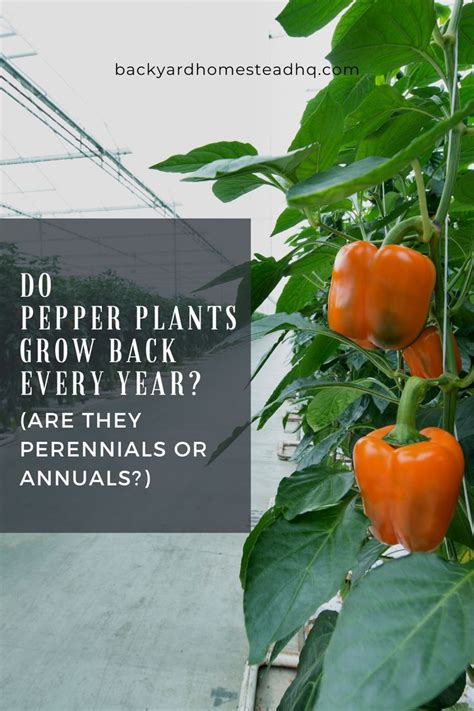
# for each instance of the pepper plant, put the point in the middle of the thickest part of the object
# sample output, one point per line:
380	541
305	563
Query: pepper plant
382	157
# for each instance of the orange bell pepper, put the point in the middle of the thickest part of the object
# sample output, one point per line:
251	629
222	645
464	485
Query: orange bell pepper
409	493
425	356
380	297
409	480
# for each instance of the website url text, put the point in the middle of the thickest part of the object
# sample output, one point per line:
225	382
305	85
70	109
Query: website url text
195	69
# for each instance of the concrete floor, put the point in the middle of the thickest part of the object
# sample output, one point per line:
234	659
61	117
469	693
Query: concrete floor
136	622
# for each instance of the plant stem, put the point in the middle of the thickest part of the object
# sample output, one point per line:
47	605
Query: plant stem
439	306
271	180
467	380
454	149
438	290
325	244
466	265
405	431
400	368
318	282
358	204
451	174
406	227
455	18
454	144
310	217
428	58
420	185
449	410
317	224
334	231
437	36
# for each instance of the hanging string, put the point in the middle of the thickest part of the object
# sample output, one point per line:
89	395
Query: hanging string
445	284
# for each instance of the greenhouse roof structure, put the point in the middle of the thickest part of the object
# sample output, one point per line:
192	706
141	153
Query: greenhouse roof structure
79	171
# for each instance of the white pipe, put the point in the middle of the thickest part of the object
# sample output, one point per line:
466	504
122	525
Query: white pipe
286	659
248	691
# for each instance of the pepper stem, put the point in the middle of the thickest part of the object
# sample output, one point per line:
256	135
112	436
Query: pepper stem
412	225
405	431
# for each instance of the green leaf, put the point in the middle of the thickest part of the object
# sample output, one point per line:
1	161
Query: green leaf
328	405
354	13
373	112
264	275
340	182
300	18
460	527
238	272
314	355
195	159
288	218
317	352
233	187
319	260
297	293
350	91
389	34
284	165
311	384
274	401
466	90
449	696
312	489
402	206
222	446
404	633
268	518
420	75
442	11
260	278
466	35
467	150
394	135
343	205
369	554
278	322
322	127
464	188
347	91
318	452
294	567
465	432
461	247
301	695
461	210
266	356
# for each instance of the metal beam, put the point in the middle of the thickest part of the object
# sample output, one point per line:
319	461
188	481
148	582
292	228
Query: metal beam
26	191
59	156
98	208
20	55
